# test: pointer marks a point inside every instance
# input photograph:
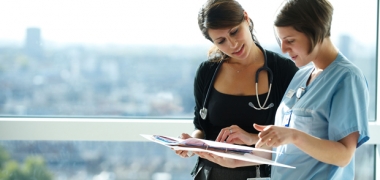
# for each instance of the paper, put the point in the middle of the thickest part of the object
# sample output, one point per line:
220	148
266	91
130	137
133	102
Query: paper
232	151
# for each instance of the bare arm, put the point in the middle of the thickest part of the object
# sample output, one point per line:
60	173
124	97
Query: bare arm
331	152
198	134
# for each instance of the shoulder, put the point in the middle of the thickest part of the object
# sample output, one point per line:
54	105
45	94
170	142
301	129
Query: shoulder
205	72
206	67
345	65
345	69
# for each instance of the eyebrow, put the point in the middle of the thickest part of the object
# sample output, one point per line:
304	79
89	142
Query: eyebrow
228	32
289	36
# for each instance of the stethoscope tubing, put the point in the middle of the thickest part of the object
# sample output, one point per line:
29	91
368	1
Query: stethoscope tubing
203	111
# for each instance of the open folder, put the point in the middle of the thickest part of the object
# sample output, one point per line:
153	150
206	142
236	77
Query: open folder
232	151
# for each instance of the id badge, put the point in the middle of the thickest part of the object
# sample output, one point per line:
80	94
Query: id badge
286	119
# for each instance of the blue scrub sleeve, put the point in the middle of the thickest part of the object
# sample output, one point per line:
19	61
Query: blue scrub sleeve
349	109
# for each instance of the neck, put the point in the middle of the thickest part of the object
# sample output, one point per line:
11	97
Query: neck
325	54
255	57
256	54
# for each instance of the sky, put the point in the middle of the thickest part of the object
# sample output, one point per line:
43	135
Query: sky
154	21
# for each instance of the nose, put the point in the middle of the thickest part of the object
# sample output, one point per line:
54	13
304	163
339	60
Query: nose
233	43
284	48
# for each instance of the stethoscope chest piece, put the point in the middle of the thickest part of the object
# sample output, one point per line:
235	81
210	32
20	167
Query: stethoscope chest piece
203	113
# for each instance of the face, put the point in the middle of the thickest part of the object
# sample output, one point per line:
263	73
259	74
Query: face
236	42
296	44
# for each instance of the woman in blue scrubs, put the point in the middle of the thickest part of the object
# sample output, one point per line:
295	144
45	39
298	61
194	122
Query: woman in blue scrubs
322	118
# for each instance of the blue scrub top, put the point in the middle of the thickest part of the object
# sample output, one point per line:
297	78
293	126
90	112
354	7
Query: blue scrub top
332	106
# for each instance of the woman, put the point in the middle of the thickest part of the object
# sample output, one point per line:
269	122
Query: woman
228	99
322	118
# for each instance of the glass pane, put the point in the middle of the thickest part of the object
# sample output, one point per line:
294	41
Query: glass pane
133	58
99	58
355	36
64	160
365	162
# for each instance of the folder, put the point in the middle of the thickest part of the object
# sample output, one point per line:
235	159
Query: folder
227	150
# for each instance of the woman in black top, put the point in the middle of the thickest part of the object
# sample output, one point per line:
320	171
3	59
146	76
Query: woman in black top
225	86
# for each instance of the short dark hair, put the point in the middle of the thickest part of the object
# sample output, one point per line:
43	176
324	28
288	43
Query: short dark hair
218	14
311	17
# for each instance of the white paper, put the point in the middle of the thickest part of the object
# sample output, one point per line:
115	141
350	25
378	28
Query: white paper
244	157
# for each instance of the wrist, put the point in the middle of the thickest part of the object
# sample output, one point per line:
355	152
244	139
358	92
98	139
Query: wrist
253	139
295	138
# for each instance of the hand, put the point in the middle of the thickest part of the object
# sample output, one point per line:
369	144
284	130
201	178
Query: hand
235	135
226	162
274	136
184	154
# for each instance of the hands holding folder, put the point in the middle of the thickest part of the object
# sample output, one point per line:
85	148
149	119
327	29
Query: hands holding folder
215	149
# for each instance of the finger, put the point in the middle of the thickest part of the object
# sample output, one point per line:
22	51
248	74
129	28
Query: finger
185	136
259	144
182	154
265	136
264	132
201	154
220	136
224	133
198	153
234	137
212	157
269	143
259	127
208	157
178	152
262	141
268	140
230	138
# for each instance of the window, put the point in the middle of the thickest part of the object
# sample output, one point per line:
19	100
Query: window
123	62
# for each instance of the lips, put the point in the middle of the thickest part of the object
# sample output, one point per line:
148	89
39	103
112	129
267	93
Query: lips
294	57
239	51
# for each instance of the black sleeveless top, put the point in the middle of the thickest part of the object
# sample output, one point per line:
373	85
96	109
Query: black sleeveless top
226	110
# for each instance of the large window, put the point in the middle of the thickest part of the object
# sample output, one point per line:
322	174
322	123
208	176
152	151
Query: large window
123	59
129	58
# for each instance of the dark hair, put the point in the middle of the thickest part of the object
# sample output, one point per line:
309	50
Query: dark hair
218	14
311	17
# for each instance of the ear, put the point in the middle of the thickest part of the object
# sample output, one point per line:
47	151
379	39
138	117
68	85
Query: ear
246	17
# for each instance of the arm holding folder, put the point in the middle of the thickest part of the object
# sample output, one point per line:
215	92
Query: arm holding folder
241	155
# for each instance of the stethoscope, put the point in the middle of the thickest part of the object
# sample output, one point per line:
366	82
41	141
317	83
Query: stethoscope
203	111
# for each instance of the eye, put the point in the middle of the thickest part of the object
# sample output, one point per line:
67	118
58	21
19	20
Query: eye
221	42
235	31
290	41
